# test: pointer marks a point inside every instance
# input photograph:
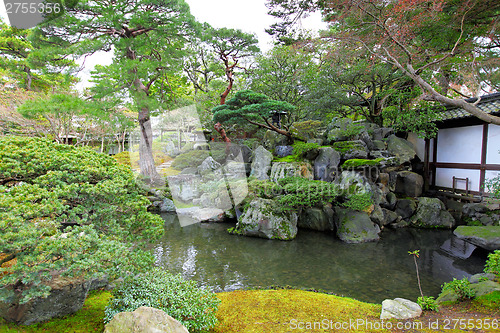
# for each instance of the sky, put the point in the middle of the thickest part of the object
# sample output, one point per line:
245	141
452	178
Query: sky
247	15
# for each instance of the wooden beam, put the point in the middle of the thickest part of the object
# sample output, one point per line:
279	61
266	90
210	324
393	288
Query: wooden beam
468	166
484	150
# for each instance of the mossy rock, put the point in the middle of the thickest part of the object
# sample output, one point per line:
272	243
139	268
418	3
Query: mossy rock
447	297
486	237
359	162
485	287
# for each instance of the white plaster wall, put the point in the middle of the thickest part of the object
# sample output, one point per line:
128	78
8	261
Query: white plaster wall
419	145
460	145
444	178
493	154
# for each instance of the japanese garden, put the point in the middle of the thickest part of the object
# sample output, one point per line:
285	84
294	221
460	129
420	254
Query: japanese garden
194	180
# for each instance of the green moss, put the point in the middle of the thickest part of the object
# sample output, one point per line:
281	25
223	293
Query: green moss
357	162
344	146
192	158
490	301
289	158
278	310
88	319
479	231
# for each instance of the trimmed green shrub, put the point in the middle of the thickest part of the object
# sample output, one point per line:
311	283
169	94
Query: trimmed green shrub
300	148
354	163
195	308
493	263
303	193
67	210
460	287
359	201
192	158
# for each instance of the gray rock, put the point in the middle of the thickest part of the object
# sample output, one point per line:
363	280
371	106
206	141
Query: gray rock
184	187
326	165
401	148
261	163
409	184
485	287
209	215
65	298
379	145
317	219
447	296
282	151
144	320
431	213
471	209
352	149
336	130
382	133
392	200
272	139
400	309
246	153
351	182
263	219
209	166
355	227
485	237
481	277
406	208
377	216
170	149
390	217
167	206
282	170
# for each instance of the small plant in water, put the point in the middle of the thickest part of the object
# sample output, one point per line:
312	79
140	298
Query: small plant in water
425	302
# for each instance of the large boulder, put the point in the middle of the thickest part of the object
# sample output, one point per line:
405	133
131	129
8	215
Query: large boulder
401	148
167	206
355	226
406	208
409	184
282	170
351	182
305	130
431	213
400	308
66	297
273	139
210	167
261	163
283	151
184	187
263	219
486	237
326	165
351	149
314	218
144	320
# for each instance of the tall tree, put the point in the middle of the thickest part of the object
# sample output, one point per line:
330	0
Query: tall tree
285	73
231	46
430	41
146	37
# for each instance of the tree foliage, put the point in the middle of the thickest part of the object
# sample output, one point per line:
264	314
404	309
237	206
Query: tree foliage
32	62
67	211
444	46
251	108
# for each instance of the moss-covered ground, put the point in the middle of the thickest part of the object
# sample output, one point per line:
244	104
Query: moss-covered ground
290	311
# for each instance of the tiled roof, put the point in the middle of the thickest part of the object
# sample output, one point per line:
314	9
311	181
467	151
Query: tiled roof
489	104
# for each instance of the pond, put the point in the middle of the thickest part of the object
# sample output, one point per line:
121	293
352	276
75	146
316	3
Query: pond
368	272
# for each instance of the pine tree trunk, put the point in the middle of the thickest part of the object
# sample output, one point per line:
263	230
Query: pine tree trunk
146	159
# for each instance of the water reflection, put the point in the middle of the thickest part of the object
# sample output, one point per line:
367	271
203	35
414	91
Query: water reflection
368	272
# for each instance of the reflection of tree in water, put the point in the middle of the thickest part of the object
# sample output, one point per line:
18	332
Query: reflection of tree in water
369	271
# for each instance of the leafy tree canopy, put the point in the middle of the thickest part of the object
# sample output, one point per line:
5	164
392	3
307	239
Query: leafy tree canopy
248	107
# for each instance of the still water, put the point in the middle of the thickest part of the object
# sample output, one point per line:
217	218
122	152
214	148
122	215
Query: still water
369	272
